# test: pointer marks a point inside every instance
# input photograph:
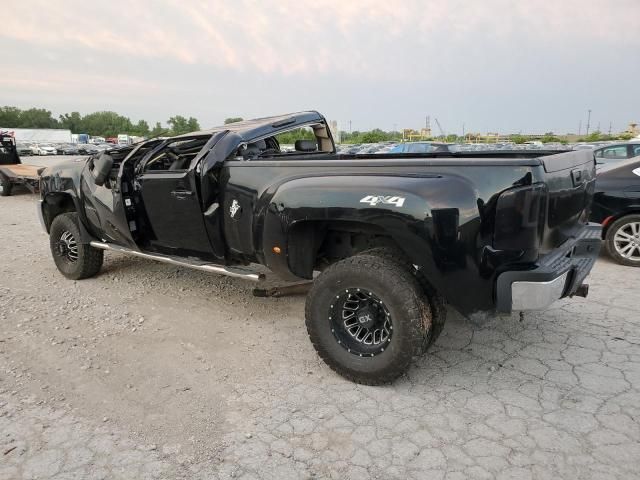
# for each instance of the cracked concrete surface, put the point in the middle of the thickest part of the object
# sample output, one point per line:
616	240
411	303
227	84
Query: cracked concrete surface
151	371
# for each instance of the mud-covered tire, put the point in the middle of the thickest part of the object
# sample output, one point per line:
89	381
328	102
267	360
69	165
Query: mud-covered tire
5	186
436	301
623	233
74	259
398	293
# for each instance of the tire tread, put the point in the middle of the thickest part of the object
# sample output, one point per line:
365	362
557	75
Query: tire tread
404	287
436	301
89	259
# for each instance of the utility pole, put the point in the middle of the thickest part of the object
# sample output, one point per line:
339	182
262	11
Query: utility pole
440	128
580	128
610	124
462	129
350	126
588	121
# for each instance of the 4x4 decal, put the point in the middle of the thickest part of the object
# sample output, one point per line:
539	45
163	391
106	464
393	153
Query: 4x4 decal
374	200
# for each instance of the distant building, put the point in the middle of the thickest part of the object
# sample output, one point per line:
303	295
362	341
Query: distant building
39	135
633	129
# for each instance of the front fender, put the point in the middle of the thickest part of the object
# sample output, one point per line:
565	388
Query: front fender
59	190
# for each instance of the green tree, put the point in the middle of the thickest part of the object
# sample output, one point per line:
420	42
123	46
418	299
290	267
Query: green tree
180	125
594	136
193	124
550	137
517	139
158	130
375	136
141	128
37	118
232	120
72	121
289	138
10	117
106	124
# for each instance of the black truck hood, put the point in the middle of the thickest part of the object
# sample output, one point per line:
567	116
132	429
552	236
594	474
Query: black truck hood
63	177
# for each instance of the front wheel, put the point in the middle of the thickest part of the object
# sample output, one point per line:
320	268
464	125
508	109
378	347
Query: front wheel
74	259
623	240
367	317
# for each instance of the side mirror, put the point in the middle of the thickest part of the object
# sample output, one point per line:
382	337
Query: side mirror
102	168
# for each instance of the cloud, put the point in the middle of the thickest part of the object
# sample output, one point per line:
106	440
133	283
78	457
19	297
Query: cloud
308	37
493	65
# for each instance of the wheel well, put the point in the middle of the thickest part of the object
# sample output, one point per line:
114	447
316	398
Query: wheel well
55	204
605	230
314	245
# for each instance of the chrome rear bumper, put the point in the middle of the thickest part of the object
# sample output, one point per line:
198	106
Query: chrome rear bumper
537	295
559	274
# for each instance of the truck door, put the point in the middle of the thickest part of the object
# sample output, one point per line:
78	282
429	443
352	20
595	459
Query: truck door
168	186
102	203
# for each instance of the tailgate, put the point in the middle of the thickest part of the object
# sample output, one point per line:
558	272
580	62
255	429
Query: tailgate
570	179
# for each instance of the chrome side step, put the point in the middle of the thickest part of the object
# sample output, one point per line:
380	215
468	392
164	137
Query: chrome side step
237	272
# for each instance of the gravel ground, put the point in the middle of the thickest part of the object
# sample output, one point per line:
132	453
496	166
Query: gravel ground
153	371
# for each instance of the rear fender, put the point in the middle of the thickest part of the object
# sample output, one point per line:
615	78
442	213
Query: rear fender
432	218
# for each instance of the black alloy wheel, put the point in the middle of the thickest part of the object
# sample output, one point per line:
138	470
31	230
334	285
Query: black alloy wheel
361	322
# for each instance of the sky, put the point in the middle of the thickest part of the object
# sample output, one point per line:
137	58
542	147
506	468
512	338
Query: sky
493	65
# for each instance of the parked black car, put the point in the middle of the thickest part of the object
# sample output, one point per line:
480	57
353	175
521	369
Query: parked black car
616	205
392	235
616	152
87	149
68	149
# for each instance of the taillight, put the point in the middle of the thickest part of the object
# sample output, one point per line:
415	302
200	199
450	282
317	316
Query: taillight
519	218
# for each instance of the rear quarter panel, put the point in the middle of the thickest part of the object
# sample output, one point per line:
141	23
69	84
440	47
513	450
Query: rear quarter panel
444	224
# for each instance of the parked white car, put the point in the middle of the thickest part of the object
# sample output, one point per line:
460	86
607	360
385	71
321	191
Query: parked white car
43	149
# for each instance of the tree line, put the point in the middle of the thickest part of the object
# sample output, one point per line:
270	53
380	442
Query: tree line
110	124
105	123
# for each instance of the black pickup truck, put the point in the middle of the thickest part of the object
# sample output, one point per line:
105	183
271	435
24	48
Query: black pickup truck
388	239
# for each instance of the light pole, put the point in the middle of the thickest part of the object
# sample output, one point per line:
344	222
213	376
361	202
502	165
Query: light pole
588	121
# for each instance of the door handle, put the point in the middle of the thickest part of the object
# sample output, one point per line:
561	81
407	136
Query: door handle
182	193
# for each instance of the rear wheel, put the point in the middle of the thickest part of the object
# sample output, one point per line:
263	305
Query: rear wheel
623	240
74	259
5	186
367	317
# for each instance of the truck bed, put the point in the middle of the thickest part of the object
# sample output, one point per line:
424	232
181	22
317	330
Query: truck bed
21	171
